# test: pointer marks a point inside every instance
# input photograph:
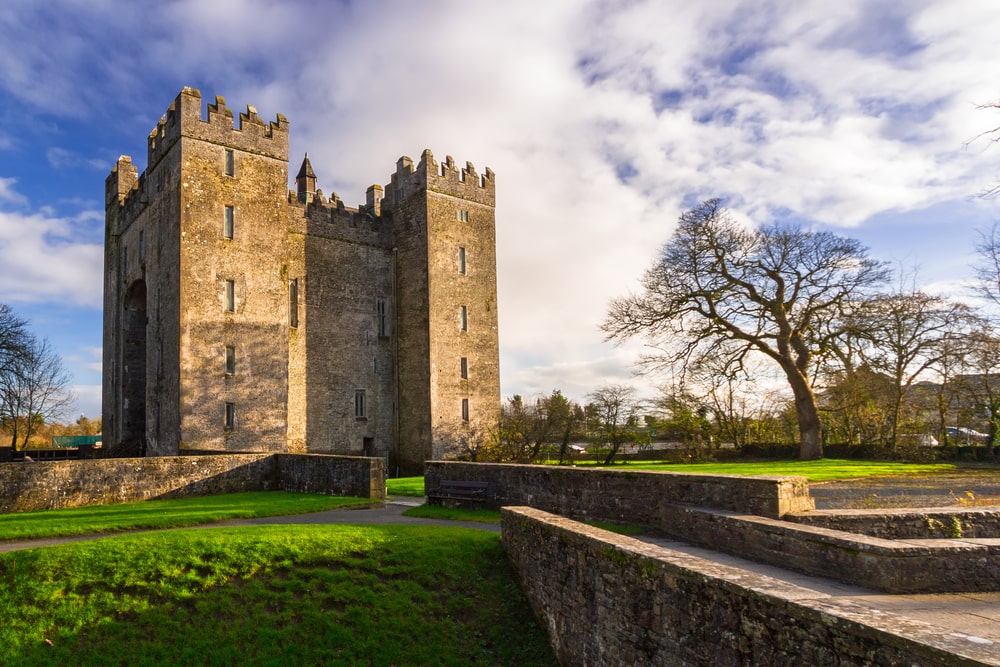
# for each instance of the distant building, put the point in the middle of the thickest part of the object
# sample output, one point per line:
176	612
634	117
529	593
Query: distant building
241	316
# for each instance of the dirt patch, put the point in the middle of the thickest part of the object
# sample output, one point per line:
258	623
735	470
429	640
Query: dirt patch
968	488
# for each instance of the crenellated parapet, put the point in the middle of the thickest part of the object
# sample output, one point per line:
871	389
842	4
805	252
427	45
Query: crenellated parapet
184	118
445	177
122	180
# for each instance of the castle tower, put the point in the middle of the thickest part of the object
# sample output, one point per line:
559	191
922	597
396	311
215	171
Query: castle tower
445	231
196	259
241	316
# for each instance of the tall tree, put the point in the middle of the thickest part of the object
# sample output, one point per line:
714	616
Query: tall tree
617	411
35	391
908	334
14	339
719	288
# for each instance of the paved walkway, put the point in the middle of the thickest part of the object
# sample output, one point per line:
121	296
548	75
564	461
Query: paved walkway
975	616
972	615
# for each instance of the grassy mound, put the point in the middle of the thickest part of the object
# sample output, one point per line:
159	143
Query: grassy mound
270	595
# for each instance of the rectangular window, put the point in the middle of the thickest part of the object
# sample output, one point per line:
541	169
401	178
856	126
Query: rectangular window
293	303
360	408
230	360
231	296
227	223
230	416
381	323
142	245
465	409
230	162
463	318
463	215
461	260
125	259
465	368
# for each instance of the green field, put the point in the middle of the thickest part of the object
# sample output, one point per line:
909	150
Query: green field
816	471
175	513
405	486
270	595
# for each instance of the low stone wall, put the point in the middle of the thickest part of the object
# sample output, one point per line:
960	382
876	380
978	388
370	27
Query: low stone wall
910	566
619	495
609	599
56	484
319	473
908	524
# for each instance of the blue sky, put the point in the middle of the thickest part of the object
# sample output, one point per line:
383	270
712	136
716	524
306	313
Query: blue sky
603	120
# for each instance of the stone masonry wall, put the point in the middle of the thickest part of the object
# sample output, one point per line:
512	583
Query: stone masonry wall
904	524
317	473
638	497
910	566
56	484
607	599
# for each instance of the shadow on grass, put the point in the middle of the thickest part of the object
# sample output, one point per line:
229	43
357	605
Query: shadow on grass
290	595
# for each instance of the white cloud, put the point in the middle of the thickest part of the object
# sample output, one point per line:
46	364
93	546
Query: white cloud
44	258
62	158
9	195
88	401
602	121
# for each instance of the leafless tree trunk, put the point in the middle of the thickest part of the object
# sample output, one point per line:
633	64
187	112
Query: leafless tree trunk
719	288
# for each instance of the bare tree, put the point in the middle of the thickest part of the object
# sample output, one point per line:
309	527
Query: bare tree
617	412
721	289
14	339
908	334
991	135
981	387
34	391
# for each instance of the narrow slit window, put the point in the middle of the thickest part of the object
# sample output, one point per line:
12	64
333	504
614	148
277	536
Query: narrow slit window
230	416
230	360
463	318
465	368
461	261
227	223
465	409
360	405
231	296
293	303
142	245
230	162
124	259
381	322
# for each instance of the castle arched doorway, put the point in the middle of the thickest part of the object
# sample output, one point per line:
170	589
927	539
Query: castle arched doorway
133	377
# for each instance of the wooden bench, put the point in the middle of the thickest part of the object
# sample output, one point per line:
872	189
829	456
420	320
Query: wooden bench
460	490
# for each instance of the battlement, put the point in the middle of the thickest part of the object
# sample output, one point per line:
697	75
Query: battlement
184	118
122	180
445	177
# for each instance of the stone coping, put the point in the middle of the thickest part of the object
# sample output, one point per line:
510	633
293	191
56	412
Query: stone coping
907	523
616	494
893	566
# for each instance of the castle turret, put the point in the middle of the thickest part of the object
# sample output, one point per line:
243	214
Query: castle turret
373	199
305	181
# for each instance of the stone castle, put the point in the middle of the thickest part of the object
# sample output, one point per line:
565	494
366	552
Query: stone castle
243	316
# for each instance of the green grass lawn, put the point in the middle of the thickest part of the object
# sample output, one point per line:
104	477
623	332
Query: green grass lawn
270	595
816	471
405	486
174	513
